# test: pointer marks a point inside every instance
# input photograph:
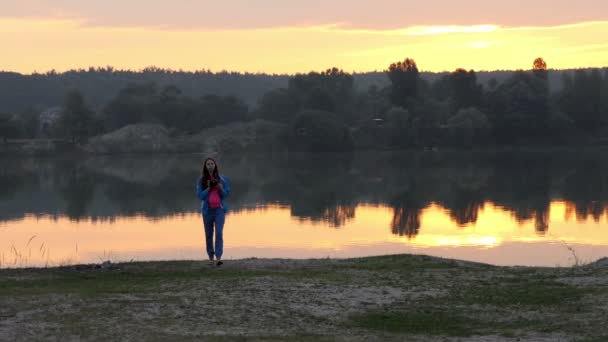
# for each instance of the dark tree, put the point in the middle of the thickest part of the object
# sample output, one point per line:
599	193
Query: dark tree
402	133
131	105
320	99
331	90
218	110
169	108
29	123
604	96
277	105
76	119
519	109
465	90
581	99
467	127
8	127
404	81
318	131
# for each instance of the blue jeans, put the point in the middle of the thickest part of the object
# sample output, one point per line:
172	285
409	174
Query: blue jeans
214	217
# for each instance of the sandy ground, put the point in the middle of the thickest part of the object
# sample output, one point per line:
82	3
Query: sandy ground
279	299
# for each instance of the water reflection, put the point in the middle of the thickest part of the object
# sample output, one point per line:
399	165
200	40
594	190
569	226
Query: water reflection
274	232
319	188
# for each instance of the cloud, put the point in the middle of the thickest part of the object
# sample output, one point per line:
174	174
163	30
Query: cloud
354	14
430	30
61	44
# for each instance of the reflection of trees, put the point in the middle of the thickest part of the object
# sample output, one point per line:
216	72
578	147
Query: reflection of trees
77	191
407	208
322	187
406	221
317	187
541	220
582	211
465	192
466	212
587	187
11	178
337	216
523	185
162	199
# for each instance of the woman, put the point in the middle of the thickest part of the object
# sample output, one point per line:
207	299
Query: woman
212	188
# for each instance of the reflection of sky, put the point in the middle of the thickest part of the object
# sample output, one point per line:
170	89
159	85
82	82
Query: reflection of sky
495	238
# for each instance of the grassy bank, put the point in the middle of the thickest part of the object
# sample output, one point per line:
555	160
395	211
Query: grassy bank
376	298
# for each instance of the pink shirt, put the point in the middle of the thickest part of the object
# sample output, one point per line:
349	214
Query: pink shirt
215	201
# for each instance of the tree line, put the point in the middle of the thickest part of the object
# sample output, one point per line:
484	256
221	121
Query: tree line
326	111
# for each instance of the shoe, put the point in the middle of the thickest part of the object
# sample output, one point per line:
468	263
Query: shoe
219	263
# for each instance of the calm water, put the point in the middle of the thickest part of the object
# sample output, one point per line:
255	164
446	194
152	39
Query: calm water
500	207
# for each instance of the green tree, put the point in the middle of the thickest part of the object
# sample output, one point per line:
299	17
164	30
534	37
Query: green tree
467	127
404	78
76	119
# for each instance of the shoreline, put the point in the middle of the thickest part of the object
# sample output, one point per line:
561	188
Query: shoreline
394	297
266	261
61	148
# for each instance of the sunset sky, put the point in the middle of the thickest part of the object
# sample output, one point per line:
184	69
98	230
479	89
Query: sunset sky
285	36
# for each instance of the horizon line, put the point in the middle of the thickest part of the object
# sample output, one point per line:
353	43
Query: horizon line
153	68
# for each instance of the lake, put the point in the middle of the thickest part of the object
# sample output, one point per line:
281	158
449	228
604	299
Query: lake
503	207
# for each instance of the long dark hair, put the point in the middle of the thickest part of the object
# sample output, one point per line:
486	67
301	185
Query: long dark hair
205	173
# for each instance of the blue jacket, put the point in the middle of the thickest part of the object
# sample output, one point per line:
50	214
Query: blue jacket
203	194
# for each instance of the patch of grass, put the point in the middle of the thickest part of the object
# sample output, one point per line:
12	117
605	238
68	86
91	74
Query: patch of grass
417	322
83	283
130	279
440	321
404	262
297	338
595	339
522	292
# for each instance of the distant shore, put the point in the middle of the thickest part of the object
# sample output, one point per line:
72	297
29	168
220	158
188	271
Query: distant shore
54	147
393	297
